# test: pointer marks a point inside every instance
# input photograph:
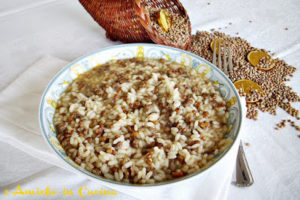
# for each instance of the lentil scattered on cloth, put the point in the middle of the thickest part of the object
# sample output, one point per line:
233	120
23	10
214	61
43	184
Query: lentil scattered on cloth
282	124
276	93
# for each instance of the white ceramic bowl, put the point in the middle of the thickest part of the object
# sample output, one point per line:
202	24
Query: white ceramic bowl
63	78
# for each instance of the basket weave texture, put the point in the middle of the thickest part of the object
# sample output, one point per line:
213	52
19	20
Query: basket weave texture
128	20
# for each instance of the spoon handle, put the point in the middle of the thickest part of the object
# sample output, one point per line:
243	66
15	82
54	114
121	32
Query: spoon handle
244	176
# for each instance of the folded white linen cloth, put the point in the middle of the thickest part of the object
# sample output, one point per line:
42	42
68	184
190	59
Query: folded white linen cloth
19	127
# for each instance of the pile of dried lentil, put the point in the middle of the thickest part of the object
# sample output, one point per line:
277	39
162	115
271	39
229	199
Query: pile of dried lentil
276	93
177	34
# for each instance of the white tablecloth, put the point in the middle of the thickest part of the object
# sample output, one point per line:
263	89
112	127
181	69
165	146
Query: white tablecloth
30	29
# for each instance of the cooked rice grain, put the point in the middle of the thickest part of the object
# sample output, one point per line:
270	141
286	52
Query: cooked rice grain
141	121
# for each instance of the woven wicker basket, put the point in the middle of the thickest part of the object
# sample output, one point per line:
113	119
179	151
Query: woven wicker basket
128	21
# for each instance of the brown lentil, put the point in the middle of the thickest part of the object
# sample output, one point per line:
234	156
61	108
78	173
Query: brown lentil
276	93
177	33
282	124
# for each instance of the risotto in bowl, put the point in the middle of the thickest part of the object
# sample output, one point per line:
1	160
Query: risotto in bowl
140	115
